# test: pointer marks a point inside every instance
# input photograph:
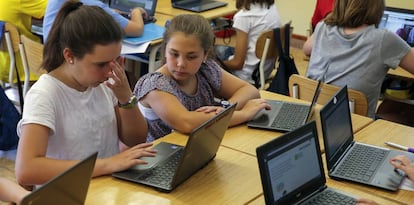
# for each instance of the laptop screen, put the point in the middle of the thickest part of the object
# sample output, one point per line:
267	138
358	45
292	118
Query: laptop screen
399	21
282	163
127	5
336	125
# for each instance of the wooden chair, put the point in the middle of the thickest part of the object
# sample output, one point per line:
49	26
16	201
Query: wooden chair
32	55
266	49
11	45
303	88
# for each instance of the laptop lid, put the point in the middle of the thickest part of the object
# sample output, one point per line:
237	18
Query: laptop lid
203	144
336	127
70	187
282	162
127	5
399	21
197	5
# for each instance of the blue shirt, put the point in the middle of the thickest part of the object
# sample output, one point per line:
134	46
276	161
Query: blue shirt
53	7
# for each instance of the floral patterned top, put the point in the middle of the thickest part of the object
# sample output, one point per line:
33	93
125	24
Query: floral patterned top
208	83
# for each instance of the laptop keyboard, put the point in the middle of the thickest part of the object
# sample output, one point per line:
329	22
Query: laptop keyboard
290	116
163	173
362	163
329	197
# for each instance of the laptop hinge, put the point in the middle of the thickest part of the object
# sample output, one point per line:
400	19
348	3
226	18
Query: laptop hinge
319	190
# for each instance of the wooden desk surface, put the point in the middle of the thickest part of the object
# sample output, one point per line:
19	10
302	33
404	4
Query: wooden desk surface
231	178
164	7
377	133
399	72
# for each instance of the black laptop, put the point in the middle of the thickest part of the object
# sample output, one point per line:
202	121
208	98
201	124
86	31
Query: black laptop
125	6
197	5
350	160
70	187
285	116
292	172
173	163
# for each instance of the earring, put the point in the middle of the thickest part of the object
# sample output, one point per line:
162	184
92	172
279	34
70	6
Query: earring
71	61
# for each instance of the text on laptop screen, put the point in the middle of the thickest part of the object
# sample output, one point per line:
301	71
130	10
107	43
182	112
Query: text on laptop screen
286	166
400	22
337	129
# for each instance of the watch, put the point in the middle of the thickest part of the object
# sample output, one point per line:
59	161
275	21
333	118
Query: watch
130	104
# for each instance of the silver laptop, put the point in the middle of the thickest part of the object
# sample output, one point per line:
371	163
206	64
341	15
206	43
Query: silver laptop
70	187
125	6
173	163
350	160
282	165
197	5
285	116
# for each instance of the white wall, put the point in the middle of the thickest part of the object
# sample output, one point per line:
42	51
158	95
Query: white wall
300	12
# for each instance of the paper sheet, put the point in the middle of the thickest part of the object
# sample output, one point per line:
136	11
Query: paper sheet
407	185
131	49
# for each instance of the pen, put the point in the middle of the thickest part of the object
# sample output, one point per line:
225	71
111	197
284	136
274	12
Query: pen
408	149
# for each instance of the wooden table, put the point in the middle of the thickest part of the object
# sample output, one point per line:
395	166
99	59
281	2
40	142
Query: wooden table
231	178
377	133
401	73
164	7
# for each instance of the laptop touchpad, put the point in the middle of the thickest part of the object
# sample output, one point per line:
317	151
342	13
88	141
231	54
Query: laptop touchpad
164	150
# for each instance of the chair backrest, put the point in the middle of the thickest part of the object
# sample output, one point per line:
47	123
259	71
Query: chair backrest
303	88
32	56
11	40
266	48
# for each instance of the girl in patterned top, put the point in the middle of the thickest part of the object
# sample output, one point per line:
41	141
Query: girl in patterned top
180	94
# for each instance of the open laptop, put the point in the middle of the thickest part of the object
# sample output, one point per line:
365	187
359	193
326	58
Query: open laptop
282	165
197	5
399	21
173	163
70	187
285	116
341	151
125	6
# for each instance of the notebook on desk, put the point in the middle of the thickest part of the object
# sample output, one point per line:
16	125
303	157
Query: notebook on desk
125	7
197	5
70	187
350	160
173	163
285	116
282	162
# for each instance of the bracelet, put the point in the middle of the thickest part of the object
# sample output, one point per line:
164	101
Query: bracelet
130	104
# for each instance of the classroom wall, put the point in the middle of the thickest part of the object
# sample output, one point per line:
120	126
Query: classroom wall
300	12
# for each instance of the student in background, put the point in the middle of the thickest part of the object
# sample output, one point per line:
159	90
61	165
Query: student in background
11	192
83	104
253	18
20	14
180	94
322	9
132	27
348	49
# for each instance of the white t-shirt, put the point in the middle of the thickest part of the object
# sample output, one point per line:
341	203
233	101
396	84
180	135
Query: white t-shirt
254	22
80	122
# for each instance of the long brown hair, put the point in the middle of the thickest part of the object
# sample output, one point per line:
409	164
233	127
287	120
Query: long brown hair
79	28
354	13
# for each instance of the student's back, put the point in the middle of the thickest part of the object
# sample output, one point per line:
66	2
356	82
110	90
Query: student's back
356	53
250	21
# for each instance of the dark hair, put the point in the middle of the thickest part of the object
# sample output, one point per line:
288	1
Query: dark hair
245	4
79	28
191	24
354	13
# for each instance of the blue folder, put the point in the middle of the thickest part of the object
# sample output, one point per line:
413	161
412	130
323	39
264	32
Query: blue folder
151	32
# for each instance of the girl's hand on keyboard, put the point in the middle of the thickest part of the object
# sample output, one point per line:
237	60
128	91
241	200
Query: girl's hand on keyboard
403	163
366	201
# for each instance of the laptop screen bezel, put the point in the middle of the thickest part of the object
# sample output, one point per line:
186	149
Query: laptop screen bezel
340	98
295	135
